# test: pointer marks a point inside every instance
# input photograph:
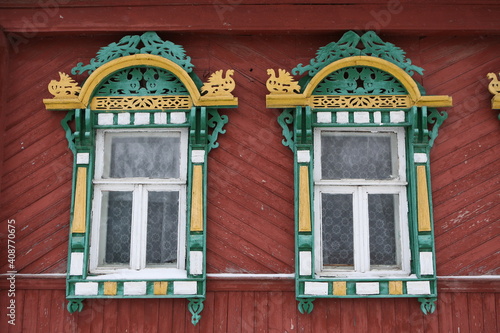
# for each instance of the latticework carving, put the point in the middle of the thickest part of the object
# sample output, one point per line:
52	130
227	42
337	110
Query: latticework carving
217	85
142	81
359	80
169	102
282	84
66	87
357	102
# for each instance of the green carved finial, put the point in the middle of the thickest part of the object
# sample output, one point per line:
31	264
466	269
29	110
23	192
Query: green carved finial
306	305
75	305
195	306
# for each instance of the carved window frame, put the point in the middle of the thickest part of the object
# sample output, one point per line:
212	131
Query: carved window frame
359	82
116	96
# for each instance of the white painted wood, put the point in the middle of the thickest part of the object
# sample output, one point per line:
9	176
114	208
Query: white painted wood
196	262
426	263
124	118
177	117
160	118
316	288
86	288
420	157
342	117
198	156
105	119
305	263
185	287
397	116
303	156
141	118
82	158
134	288
418	287
76	266
324	117
361	117
377	117
367	288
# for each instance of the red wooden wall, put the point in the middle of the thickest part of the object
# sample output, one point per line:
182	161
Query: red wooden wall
250	185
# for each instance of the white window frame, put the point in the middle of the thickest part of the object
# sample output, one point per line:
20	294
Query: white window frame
360	188
139	188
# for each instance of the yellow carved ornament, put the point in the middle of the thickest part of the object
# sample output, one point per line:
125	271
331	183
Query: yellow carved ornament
219	85
282	84
65	88
494	88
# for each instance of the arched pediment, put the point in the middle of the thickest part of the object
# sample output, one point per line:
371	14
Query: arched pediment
126	54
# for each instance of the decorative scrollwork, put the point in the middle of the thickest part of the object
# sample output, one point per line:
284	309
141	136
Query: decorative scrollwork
359	80
285	119
306	305
218	85
195	306
216	122
142	81
283	84
66	87
70	136
347	46
128	45
427	305
436	118
168	102
358	102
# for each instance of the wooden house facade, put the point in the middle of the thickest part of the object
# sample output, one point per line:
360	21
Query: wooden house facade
243	256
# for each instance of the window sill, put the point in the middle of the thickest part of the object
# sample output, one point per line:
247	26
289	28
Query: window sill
143	274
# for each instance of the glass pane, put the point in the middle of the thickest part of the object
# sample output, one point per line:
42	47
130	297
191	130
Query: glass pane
163	212
358	155
382	211
337	230
116	222
143	155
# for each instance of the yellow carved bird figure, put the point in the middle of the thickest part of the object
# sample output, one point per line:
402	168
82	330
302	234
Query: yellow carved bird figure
65	87
494	86
218	85
283	84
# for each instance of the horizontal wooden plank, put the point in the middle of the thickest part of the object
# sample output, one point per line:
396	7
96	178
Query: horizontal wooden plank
238	17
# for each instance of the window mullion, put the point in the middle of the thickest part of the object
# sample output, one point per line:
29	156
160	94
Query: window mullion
363	245
136	229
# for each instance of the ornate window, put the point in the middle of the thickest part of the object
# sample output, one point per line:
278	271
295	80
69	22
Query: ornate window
143	126
361	129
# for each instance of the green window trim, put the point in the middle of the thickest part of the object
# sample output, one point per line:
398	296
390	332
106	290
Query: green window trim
360	82
149	88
